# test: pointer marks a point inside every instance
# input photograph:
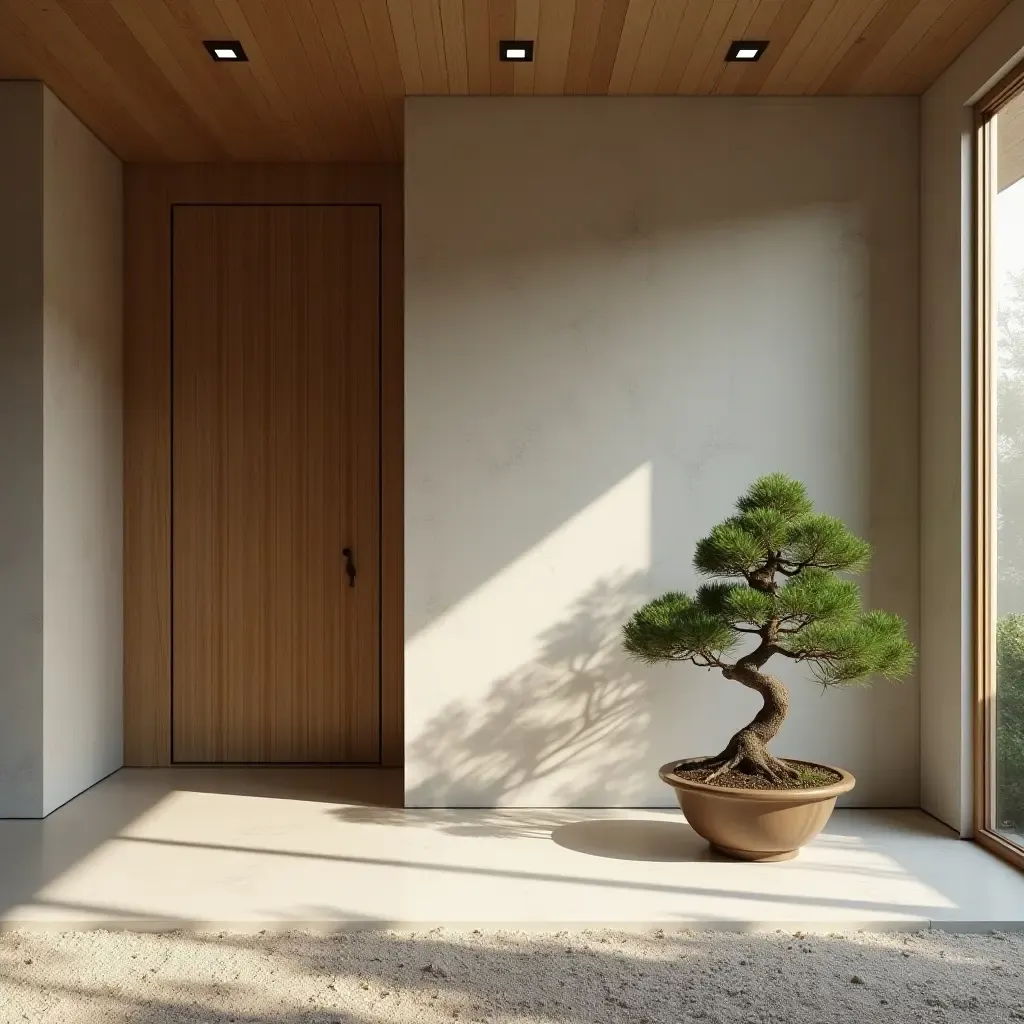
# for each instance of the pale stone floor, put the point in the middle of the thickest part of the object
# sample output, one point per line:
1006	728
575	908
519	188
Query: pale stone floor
314	848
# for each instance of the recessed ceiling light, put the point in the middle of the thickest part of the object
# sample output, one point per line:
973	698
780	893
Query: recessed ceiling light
516	49
746	50
225	49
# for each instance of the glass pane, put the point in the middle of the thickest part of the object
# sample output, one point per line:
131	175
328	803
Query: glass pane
1008	301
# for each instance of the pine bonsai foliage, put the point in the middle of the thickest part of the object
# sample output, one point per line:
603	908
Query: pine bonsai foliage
774	567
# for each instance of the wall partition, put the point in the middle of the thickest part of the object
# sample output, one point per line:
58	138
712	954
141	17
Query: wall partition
600	293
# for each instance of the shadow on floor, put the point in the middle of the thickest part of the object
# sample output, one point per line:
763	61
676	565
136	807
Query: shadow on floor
357	789
635	840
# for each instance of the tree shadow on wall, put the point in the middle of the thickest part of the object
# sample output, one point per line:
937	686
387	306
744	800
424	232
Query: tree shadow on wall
568	728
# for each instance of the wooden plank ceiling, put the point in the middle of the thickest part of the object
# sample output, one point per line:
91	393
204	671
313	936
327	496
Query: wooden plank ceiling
326	78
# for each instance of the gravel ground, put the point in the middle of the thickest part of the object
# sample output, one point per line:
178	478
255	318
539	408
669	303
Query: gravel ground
441	975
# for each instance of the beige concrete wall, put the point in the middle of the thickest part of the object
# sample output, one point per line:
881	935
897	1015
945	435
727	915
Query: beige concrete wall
618	313
82	232
947	331
21	439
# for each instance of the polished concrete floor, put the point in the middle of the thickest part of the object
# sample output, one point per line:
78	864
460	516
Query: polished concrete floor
279	848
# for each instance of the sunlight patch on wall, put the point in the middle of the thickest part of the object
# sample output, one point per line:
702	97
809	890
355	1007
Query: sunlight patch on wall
526	669
500	625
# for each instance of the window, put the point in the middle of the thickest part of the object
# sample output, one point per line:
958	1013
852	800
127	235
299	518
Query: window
1000	471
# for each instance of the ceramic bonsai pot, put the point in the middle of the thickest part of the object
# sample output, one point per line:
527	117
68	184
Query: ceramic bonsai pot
756	824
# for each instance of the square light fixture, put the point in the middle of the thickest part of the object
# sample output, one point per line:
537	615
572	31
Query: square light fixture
520	50
746	50
225	49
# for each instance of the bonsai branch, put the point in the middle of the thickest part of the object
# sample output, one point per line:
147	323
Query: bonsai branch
707	660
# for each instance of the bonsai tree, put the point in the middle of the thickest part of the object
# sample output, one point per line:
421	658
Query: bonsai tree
786	599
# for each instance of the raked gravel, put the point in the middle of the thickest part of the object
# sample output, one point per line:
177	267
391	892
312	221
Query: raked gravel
441	975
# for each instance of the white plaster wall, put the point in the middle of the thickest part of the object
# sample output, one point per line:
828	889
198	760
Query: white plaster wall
82	534
21	437
60	454
947	268
618	313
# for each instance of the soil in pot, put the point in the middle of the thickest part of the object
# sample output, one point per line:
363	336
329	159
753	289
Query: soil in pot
810	777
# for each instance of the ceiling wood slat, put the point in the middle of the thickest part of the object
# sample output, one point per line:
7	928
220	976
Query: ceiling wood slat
802	40
820	51
932	40
969	17
327	79
478	38
689	32
427	21
187	86
70	48
613	16
825	67
586	25
453	27
787	22
429	49
385	57
438	33
237	27
761	26
353	25
382	46
22	55
848	71
280	45
104	31
900	43
501	20
631	41
527	27
371	127
735	28
403	27
661	32
253	83
554	37
242	114
709	45
326	94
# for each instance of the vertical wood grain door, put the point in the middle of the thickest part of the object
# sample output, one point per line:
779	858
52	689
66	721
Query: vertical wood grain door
275	472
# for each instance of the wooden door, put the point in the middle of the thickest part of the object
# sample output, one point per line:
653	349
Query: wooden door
275	471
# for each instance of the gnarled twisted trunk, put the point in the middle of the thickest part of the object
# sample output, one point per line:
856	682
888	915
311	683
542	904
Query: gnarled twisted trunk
747	751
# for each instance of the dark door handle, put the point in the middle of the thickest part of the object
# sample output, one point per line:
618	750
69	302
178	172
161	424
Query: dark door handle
350	566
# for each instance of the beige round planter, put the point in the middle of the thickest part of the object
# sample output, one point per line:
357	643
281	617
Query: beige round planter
756	824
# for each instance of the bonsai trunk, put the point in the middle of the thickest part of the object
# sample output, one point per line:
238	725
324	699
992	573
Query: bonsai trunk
747	751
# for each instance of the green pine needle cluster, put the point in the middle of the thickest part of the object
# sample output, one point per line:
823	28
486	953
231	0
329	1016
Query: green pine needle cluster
791	600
